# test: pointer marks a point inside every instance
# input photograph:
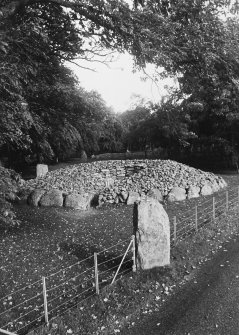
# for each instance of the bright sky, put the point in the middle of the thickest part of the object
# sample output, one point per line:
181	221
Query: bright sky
117	84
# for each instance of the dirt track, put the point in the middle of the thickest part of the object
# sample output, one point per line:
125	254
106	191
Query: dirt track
209	304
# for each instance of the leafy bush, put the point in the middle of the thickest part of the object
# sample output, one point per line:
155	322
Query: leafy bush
10	183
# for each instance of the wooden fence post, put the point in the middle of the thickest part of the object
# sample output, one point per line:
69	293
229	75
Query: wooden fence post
213	209
45	300
227	203
196	218
96	274
175	229
134	253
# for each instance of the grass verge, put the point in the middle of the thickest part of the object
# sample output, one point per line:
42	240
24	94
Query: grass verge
52	239
120	306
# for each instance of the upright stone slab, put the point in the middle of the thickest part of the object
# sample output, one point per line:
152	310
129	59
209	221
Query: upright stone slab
152	228
41	170
83	156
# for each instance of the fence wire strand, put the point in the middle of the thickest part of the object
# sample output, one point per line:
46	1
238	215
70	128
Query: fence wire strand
73	288
73	306
69	267
22	303
187	225
22	316
111	259
68	280
21	289
65	302
36	320
113	246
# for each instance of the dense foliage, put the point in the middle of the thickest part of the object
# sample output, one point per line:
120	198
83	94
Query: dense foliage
45	114
196	43
10	183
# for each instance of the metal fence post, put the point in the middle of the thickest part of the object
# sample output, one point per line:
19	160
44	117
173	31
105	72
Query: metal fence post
45	300
196	218
213	209
175	229
96	274
134	254
227	203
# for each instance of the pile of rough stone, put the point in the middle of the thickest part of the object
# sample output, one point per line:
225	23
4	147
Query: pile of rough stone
82	185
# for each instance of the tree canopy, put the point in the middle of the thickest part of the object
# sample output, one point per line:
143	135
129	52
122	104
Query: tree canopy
44	111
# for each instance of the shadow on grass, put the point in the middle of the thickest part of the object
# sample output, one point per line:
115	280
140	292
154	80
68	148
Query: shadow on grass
106	260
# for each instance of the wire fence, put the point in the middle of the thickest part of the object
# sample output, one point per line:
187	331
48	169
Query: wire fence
204	213
53	295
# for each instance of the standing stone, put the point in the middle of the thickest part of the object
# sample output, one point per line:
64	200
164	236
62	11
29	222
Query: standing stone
41	170
83	157
151	224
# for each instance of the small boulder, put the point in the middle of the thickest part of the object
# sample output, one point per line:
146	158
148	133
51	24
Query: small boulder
206	190
193	192
221	182
52	197
132	198
155	194
177	194
101	200
123	196
35	196
215	187
80	201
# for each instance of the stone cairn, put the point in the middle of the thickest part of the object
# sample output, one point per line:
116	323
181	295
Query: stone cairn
127	181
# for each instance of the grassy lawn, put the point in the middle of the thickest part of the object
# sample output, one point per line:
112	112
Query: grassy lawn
51	239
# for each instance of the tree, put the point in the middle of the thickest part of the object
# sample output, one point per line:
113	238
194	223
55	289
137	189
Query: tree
41	103
164	125
187	38
132	120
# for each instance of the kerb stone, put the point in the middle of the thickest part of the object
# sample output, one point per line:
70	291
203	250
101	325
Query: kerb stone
151	224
